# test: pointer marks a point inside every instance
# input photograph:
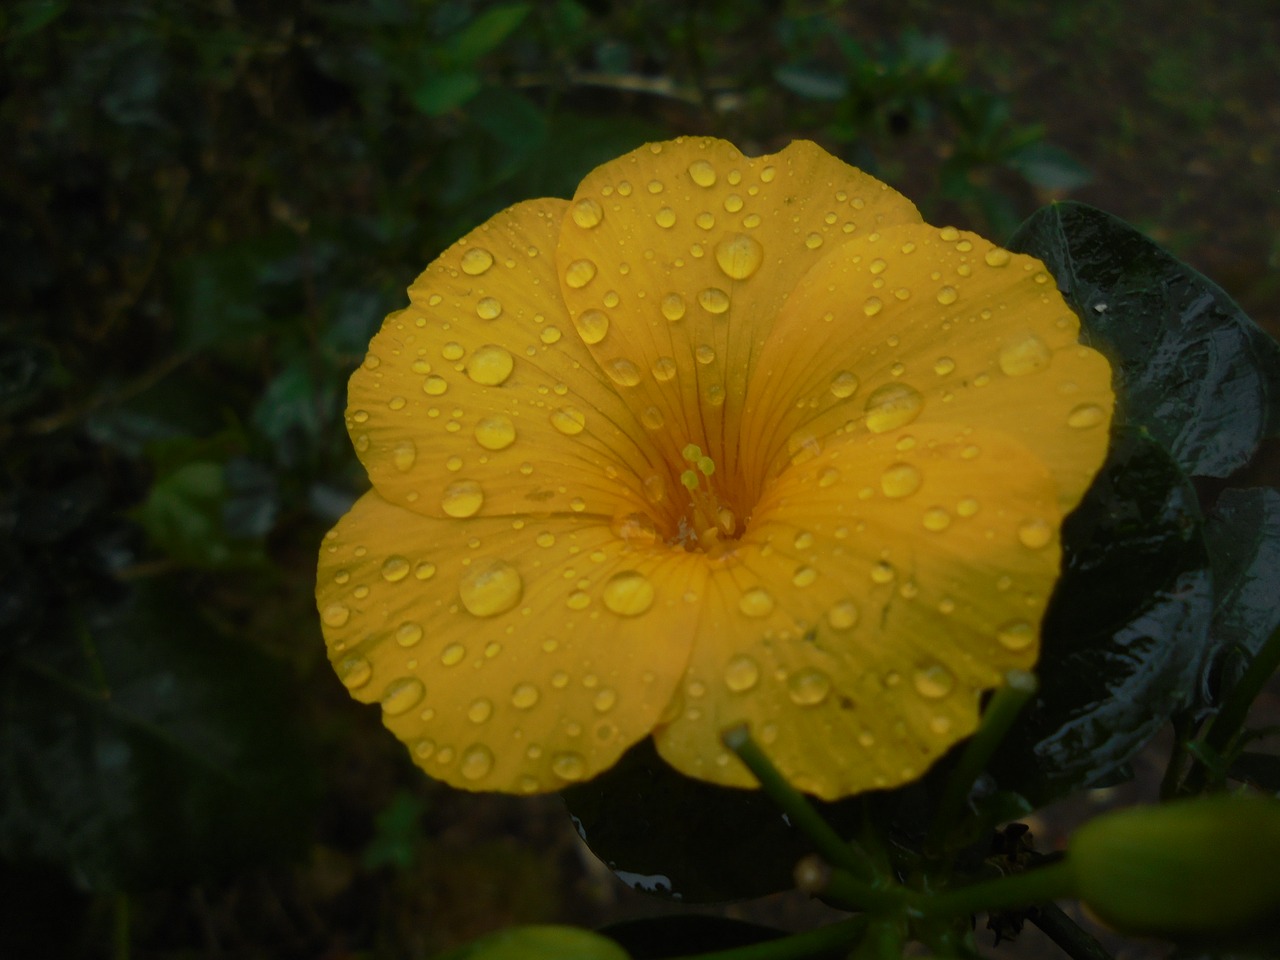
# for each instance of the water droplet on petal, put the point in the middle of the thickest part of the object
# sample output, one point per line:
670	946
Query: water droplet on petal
479	711
622	372
996	257
462	498
354	672
900	480
425	570
809	687
943	365
579	273
495	433
843	615
488	589
673	306
453	654
947	296
569	420
628	594
490	366
568	766
636	528
524	696
1086	415
592	325
587	213
741	674
402	695
550	335
336	615
703	173
934	681
604	700
756	602
476	261
1024	356
488	308
739	256
804	576
477	761
664	369
395	568
891	406
1035	533
844	384
404	456
1016	635
936	519
665	218
872	305
713	300
408	634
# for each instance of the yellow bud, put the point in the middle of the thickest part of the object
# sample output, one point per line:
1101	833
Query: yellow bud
1183	869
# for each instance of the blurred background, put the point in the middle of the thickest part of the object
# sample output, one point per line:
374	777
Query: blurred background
207	207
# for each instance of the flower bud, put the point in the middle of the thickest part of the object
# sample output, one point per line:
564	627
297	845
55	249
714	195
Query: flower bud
1209	865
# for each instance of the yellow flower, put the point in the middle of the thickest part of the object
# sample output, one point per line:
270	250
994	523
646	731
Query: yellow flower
721	440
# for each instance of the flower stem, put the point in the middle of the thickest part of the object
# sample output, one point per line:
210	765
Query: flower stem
823	940
1005	706
1066	933
800	812
1050	882
815	877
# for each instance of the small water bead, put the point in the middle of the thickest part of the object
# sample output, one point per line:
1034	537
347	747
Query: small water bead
397	403
395	568
652	418
739	256
828	477
872	305
804	576
809	687
756	602
654	186
490	366
488	308
713	300
1086	415
733	203
1016	635
934	682
524	696
476	261
843	615
477	761
813	241
622	372
844	385
579	273
569	420
936	519
706	220
882	573
550	335
604	700
592	325
877	266
624	188
425	570
628	594
578	600
479	711
1035	534
354	672
587	213
949	234
488	589
704	354
947	296
372	361
803	541
453	654
336	615
569	766
452	351
943	366
495	433
714	394
665	218
900	480
664	368
402	695
463	498
408	634
702	173
404	456
891	406
672	306
1024	356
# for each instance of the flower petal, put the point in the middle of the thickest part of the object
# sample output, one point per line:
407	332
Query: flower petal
675	259
881	587
479	399
508	654
918	326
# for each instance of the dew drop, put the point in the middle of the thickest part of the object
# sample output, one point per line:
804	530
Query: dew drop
628	594
401	696
936	519
665	218
604	700
673	306
1035	534
476	261
803	540
488	308
804	576
495	433
395	568
702	173
452	654
844	385
569	766
490	366
1024	356
996	257
732	203
739	256
408	634
404	456
767	174
1086	415
524	696
947	296
756	602
813	241
704	354
477	761
943	365
1016	635
569	420
652	418
479	711
622	372
877	266
741	674
636	528
592	325
664	369
489	589
843	615
828	477
934	682
463	498
425	570
882	573
336	615
891	406
713	300
579	273
900	480
587	213
872	305
354	672
550	335
809	687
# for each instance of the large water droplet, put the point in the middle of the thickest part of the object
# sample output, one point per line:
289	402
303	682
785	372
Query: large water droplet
569	766
404	455
996	257
1024	356
477	761
592	325
741	674
900	480
488	589
408	634
462	498
488	308
395	568
402	695
1035	533
664	368
809	687
703	173
336	615
756	602
496	432
739	256
480	710
490	365
891	406
569	420
622	372
1016	635
1086	415
628	594
354	672
843	615
872	305
587	213
947	295
476	261
525	696
934	681
844	385
713	300
579	273
665	218
673	306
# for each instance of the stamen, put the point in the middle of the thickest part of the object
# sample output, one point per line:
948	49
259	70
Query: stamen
709	517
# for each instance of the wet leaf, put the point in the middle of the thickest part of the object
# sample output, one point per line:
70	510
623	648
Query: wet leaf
1192	368
138	747
1127	629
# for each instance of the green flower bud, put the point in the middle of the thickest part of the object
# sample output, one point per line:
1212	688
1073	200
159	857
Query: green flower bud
539	943
1191	868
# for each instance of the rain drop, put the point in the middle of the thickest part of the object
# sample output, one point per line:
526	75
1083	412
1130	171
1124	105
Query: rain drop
404	455
604	700
943	365
490	366
402	695
664	368
568	420
452	654
479	711
844	384
395	568
592	325
808	688
741	674
1024	356
891	406
476	261
425	570
1035	534
462	499
408	634
756	602
804	576
579	273
491	588
568	766
739	256
336	615
936	519
934	682
947	296
1016	635
477	761
996	257
354	672
524	696
1086	415
713	300
900	480
703	173
587	213
665	218
622	372
843	615
673	306
488	308
495	433
628	594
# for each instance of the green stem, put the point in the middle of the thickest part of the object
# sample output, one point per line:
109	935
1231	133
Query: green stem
1004	708
815	877
1050	882
1066	933
824	939
799	811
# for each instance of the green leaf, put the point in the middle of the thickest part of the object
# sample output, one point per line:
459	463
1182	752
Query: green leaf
138	747
439	92
1191	367
539	943
1242	532
486	32
397	834
1127	629
812	83
184	516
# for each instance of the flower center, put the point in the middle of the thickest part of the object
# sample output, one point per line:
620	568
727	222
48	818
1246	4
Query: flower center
708	520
